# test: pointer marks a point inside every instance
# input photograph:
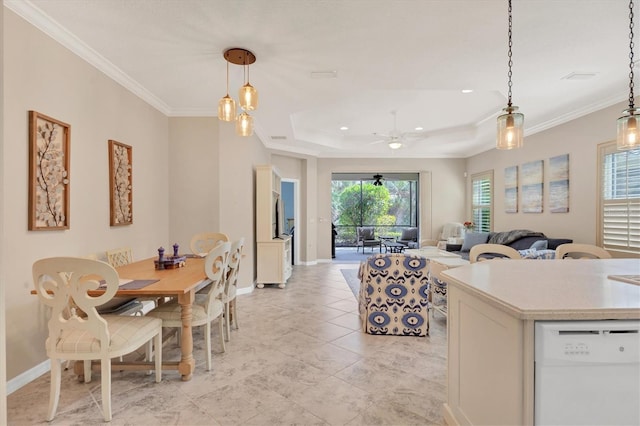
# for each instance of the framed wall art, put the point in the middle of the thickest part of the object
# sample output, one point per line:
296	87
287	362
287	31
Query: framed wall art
120	184
49	152
511	189
532	175
559	184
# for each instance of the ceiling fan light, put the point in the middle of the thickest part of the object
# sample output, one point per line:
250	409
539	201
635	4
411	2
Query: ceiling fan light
244	125
248	96
510	129
395	145
227	109
628	131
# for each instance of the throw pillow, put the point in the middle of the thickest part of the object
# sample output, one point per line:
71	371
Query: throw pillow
539	245
474	238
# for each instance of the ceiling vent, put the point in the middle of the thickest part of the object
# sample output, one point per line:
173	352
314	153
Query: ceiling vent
278	138
580	76
324	74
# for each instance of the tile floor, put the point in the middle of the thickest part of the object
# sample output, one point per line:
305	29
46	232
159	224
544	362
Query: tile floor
299	357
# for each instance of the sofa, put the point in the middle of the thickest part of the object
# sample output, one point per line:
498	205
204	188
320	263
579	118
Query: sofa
530	244
394	295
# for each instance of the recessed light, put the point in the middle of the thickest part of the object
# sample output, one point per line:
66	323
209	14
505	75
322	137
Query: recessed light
467	90
419	128
344	128
324	74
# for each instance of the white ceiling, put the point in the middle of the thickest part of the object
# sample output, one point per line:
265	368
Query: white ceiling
409	56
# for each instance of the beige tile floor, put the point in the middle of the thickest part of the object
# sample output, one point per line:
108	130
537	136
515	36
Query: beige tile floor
299	357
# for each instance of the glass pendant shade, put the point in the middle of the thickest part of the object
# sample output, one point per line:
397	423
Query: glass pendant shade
510	129
395	145
248	96
628	132
227	109
244	125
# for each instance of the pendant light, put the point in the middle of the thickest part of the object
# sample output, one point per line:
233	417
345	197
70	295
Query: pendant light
248	95
511	122
244	124
628	135
227	106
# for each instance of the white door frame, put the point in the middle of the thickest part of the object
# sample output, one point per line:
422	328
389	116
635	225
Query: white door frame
296	218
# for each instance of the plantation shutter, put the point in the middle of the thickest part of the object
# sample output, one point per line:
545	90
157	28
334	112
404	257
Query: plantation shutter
482	200
619	199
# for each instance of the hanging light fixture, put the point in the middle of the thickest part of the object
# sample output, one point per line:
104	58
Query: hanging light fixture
244	124
395	143
628	135
227	106
511	122
248	94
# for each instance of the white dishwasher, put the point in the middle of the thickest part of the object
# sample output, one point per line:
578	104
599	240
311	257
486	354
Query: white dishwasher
587	372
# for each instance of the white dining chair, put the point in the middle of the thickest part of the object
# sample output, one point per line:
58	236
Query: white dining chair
207	307
202	243
231	286
581	251
502	250
62	283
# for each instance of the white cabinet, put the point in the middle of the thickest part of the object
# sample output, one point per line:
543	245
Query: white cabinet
273	248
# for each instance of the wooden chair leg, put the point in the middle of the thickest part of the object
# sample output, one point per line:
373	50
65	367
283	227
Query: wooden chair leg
227	320
207	343
158	353
54	389
106	388
221	327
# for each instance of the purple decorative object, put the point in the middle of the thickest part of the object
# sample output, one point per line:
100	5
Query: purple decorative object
175	249
160	254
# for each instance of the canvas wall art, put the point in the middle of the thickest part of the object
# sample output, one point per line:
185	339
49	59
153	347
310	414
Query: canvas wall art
532	182
559	184
511	189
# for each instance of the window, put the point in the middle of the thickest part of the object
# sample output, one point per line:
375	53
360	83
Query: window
619	199
389	207
482	201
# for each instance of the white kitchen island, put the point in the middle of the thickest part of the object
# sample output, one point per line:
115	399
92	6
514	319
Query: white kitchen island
493	306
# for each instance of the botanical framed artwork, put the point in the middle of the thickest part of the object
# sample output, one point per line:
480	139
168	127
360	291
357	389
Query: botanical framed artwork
49	160
511	189
559	184
532	175
120	184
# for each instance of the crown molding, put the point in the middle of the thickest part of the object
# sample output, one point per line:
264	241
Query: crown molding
39	19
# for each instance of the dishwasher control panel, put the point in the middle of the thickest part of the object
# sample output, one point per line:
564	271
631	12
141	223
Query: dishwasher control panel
587	341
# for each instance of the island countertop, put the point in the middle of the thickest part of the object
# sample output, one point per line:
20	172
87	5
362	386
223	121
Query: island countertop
553	289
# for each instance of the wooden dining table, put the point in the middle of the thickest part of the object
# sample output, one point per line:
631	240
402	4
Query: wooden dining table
181	283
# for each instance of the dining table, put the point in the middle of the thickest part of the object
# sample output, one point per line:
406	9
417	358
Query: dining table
142	279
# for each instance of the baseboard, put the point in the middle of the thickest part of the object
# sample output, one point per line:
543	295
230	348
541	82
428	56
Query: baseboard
28	376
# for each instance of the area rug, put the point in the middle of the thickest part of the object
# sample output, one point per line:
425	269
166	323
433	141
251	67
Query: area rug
351	277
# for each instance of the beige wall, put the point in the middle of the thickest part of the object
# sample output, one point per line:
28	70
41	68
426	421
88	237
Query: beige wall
445	196
3	241
41	75
194	184
579	139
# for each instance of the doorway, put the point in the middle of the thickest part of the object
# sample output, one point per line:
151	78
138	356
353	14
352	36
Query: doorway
290	199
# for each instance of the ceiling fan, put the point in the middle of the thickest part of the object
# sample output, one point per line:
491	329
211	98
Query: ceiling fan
394	139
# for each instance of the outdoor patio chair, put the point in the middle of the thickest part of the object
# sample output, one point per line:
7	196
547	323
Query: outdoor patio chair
366	238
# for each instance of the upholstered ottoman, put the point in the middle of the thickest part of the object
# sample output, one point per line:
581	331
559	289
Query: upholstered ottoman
394	295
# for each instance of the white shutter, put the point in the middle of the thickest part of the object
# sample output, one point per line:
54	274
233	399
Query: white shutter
620	199
482	200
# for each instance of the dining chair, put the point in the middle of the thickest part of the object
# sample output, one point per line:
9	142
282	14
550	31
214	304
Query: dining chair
62	283
122	305
231	286
202	243
581	251
493	249
120	256
207	307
